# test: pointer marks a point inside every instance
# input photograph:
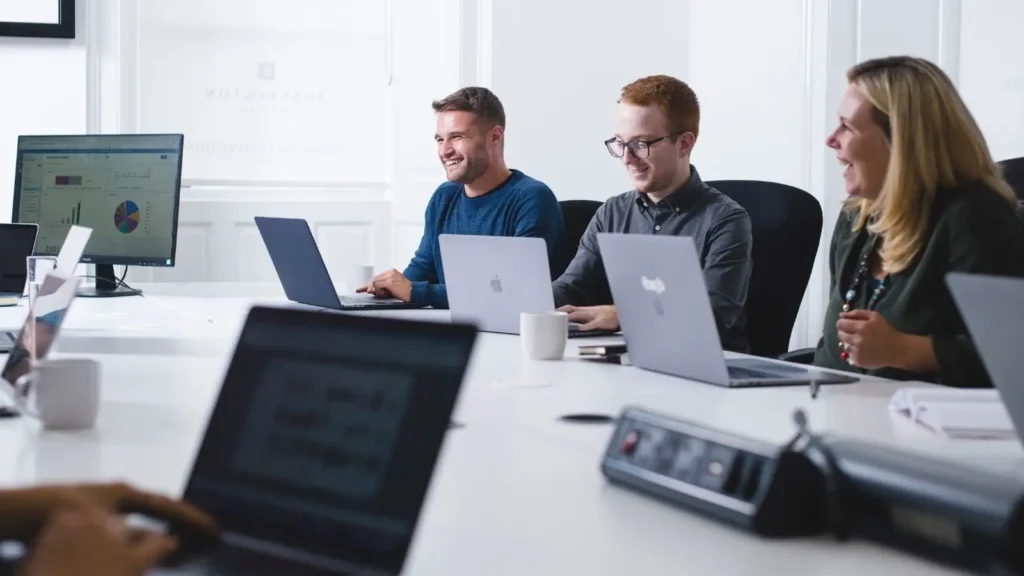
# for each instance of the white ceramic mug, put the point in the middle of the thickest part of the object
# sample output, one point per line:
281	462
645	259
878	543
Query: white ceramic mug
356	276
66	393
543	335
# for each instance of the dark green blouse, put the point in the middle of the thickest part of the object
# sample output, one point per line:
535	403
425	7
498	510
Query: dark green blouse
973	229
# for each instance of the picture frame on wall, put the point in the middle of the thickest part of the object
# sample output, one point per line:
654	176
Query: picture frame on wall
37	18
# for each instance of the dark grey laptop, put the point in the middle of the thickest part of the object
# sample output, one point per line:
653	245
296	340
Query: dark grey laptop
302	271
321	446
993	311
17	242
667	319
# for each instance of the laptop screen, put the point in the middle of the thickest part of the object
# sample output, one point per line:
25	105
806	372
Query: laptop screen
17	241
327	430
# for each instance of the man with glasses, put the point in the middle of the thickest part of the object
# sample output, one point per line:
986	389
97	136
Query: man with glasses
656	127
482	197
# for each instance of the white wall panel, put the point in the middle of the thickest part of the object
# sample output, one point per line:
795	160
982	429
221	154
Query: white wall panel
903	27
264	93
747	63
558	68
219	242
992	71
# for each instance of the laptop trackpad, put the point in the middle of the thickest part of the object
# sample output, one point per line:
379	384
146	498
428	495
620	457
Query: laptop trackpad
750	369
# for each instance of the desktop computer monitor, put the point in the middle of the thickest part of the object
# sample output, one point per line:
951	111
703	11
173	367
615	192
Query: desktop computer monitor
125	187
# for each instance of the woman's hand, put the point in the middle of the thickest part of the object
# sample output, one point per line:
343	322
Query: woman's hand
872	342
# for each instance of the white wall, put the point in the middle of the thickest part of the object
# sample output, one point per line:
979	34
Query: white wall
559	88
44	92
991	71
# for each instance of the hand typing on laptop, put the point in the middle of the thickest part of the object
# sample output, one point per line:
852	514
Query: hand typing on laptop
390	284
24	512
593	317
85	540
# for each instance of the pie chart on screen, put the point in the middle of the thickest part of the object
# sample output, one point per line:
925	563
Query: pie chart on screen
126	217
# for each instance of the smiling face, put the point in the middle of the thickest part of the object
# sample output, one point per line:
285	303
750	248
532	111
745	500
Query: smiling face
465	148
667	160
861	146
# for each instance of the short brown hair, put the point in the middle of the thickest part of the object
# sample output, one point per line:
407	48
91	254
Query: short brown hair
675	98
477	100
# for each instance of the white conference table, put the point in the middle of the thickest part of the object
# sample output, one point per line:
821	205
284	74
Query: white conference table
516	490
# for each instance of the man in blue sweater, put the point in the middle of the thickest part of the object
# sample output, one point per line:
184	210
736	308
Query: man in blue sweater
482	197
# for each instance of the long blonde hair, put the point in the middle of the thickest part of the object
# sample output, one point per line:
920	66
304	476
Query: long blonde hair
934	142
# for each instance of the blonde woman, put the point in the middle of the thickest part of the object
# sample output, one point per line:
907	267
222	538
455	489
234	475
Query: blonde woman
925	198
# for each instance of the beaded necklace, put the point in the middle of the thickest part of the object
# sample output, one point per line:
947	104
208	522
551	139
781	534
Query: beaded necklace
851	293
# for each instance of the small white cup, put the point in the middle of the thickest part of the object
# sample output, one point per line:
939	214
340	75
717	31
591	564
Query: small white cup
67	393
356	276
543	335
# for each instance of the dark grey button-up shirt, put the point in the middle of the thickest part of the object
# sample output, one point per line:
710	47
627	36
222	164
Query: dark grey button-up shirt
719	227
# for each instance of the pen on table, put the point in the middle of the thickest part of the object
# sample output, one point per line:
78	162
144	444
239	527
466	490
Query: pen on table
814	389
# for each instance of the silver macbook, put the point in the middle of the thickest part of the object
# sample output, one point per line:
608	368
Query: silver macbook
492	279
992	308
667	319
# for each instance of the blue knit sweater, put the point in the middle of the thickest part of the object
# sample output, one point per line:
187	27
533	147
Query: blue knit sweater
520	206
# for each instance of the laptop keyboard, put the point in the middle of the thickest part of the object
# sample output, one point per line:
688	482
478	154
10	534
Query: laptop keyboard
232	560
367	301
575	332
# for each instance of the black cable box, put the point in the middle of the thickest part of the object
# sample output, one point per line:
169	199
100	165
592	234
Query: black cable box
940	510
750	484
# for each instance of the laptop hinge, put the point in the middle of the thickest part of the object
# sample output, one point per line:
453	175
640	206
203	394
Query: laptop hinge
297	555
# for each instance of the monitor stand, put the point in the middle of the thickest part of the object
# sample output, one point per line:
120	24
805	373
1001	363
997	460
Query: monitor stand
106	285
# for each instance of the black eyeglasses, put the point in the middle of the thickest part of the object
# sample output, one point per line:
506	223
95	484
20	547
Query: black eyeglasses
639	148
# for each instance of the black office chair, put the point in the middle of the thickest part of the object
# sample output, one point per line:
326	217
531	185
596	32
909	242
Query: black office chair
1013	172
786	227
577	214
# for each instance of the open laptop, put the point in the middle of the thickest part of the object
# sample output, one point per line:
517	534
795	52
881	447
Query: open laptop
16	244
67	260
492	279
322	443
992	308
35	339
302	271
667	320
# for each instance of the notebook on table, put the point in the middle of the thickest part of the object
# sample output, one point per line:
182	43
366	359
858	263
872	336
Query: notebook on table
955	413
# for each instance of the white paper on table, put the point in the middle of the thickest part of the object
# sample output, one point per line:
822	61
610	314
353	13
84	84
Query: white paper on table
956	413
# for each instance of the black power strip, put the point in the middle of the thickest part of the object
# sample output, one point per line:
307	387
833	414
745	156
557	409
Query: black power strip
938	509
755	486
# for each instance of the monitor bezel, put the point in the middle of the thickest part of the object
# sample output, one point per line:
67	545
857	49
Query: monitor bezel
99	259
64	28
